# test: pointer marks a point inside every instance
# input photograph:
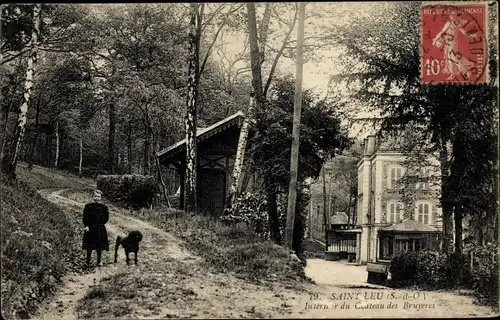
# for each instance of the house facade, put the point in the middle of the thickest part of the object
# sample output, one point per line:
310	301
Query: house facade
398	201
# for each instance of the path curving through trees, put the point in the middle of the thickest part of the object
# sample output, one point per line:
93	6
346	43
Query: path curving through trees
171	282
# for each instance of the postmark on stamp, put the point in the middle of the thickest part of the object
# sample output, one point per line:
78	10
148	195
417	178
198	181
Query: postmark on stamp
453	43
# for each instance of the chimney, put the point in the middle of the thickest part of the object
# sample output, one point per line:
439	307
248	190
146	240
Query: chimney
370	145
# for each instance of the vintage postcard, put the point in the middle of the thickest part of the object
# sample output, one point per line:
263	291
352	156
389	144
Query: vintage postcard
230	160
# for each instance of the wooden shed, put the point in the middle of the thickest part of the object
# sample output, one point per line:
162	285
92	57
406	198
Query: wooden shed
216	151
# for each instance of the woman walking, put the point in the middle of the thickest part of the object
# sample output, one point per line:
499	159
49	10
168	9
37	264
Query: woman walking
95	216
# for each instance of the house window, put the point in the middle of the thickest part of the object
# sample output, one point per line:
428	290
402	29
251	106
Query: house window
395	173
423	212
394	244
423	184
395	210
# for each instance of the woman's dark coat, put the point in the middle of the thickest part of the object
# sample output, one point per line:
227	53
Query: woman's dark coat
95	215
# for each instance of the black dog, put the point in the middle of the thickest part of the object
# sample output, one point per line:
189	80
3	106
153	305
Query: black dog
130	243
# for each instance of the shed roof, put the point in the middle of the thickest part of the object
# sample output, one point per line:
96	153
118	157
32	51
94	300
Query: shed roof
409	226
204	133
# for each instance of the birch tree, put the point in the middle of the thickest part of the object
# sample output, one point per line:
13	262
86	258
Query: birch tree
242	140
191	114
294	159
9	164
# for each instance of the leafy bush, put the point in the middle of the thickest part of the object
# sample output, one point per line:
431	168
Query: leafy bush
484	273
431	269
403	269
249	208
135	190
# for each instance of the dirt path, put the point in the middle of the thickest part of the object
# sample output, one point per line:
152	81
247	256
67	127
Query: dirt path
171	282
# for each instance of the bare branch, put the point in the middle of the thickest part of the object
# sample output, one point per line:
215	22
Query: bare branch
215	38
14	56
280	53
212	16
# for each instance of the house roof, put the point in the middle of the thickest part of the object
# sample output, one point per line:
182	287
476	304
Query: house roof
204	133
409	226
339	218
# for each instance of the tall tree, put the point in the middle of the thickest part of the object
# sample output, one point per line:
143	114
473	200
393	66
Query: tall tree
12	88
242	139
383	69
255	58
270	146
9	164
191	108
294	159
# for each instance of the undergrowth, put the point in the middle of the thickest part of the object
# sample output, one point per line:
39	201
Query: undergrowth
39	242
46	178
226	248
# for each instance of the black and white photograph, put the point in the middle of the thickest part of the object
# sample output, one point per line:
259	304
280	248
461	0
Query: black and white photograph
236	160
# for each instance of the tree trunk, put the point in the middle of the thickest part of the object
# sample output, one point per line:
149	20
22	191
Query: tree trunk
255	59
191	112
111	138
233	192
240	154
325	203
294	159
349	210
5	128
458	229
35	138
9	166
248	176
56	159
129	148
446	206
80	162
330	197
264	27
354	210
182	196
147	148
160	177
48	142
274	221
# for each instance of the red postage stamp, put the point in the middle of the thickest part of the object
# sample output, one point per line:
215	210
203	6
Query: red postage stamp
453	43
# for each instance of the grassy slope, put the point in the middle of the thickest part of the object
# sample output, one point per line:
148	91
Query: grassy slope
229	248
224	248
45	178
34	239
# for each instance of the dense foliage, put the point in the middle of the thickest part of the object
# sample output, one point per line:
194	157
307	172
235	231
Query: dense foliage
431	269
249	208
382	64
321	137
136	191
